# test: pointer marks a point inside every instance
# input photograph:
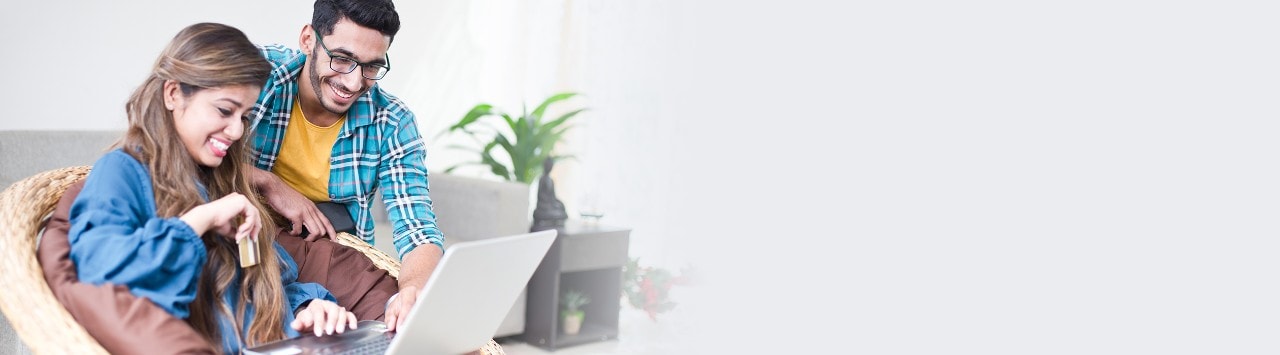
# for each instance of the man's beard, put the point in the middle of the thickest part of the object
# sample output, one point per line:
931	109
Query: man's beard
315	84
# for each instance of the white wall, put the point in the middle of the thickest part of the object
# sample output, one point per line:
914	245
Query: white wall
995	177
81	59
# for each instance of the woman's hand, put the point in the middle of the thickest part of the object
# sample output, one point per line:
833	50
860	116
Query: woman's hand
325	317
220	216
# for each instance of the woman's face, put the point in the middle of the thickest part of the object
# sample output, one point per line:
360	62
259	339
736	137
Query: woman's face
210	120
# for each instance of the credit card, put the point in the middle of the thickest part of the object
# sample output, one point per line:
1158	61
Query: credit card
248	252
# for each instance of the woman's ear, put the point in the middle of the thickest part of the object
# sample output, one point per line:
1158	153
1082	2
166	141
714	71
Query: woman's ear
172	95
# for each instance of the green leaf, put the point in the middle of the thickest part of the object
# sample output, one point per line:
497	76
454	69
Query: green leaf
476	112
511	123
501	140
494	166
562	119
560	158
537	112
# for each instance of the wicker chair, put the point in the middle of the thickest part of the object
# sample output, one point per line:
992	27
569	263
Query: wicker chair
33	311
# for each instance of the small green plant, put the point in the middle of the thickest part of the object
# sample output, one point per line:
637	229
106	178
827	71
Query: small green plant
528	143
572	301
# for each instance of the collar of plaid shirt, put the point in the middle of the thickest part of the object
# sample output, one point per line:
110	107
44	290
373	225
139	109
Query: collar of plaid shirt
283	85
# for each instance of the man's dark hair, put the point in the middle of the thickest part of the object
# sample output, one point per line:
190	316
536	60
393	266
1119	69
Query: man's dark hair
376	14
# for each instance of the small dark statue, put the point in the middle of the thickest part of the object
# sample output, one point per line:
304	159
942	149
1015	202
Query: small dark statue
549	213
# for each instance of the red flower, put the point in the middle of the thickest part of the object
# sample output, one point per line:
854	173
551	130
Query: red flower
648	288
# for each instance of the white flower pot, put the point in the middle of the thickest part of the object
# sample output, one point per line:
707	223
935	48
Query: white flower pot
573	323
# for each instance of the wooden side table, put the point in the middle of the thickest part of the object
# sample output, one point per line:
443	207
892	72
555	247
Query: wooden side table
585	257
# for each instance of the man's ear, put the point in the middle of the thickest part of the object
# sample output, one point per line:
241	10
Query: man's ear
307	39
172	93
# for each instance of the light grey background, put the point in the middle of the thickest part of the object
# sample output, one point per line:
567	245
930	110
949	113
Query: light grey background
990	177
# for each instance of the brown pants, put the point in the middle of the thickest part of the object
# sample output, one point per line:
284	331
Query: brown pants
359	285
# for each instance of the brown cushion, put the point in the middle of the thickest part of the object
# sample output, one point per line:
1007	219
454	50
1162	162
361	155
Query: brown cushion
121	322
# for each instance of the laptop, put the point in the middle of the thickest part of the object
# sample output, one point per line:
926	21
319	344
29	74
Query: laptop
463	303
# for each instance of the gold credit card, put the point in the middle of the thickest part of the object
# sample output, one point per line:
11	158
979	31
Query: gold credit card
248	252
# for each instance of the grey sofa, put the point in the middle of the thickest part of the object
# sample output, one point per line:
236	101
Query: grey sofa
466	208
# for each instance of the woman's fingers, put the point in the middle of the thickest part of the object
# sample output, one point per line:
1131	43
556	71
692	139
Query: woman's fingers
324	317
303	321
332	317
245	231
227	209
318	312
340	319
252	219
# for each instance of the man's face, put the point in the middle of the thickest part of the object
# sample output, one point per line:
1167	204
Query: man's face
337	91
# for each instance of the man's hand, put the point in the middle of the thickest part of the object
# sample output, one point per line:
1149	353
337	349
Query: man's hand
398	309
415	270
291	204
323	317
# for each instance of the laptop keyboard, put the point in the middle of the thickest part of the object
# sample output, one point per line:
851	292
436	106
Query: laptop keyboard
369	346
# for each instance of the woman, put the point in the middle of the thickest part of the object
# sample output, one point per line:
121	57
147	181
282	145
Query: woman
163	212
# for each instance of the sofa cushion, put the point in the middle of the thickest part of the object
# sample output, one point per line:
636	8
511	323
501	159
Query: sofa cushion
26	153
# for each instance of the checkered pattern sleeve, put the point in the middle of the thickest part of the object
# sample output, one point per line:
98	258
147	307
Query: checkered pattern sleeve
403	177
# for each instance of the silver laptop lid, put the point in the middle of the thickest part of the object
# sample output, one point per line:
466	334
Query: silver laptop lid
469	294
472	289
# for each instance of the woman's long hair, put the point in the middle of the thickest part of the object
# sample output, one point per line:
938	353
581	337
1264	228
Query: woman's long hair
203	56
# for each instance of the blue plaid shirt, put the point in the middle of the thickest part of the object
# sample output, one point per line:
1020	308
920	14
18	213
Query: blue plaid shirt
379	146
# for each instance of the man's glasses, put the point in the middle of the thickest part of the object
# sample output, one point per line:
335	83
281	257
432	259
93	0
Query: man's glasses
345	65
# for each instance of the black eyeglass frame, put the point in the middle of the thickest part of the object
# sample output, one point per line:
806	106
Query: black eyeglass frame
382	68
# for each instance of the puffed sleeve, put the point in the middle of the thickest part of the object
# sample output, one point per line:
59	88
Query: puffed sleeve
117	238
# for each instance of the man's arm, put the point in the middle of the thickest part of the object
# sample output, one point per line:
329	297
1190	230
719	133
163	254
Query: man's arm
419	264
291	204
402	175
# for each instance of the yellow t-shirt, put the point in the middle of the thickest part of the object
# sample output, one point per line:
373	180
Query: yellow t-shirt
303	161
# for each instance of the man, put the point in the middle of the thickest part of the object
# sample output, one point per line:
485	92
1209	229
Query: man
323	131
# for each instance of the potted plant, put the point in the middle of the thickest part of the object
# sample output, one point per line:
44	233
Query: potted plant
527	139
572	313
648	288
